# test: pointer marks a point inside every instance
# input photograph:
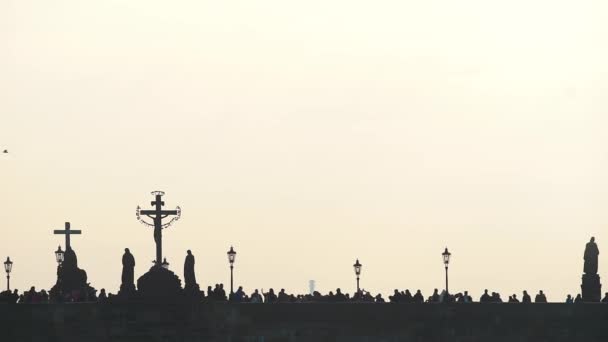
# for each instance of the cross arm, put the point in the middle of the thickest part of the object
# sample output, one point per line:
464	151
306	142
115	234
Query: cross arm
68	231
154	212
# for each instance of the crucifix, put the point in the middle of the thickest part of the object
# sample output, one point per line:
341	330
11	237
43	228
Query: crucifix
157	214
67	232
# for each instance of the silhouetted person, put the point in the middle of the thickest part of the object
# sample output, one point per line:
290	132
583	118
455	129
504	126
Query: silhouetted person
526	298
418	297
445	297
103	297
578	299
435	297
569	299
15	297
283	297
540	297
395	298
591	254
221	292
496	298
189	277
467	298
256	297
270	297
485	297
379	299
407	297
339	296
605	299
44	296
239	295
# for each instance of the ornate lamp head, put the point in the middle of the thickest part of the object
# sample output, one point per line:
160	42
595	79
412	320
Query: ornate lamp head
446	257
231	256
59	255
357	266
8	265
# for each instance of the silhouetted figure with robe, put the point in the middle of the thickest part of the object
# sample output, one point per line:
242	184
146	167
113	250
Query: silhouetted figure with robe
591	256
127	287
605	299
189	276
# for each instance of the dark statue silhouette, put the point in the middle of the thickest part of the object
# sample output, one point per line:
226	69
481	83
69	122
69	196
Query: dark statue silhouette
591	286
127	286
189	277
590	257
191	288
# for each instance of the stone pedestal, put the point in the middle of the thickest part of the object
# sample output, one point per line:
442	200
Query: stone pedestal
159	284
193	292
127	291
591	288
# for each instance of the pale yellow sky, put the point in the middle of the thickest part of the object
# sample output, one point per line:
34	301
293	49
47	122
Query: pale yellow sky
308	134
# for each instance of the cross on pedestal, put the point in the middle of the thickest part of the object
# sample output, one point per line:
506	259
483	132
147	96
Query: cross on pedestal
67	232
158	214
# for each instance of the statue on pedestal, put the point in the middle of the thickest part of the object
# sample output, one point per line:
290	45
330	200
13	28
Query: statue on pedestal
191	288
591	287
127	286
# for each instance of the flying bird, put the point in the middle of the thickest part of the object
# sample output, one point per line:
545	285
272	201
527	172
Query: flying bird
5	151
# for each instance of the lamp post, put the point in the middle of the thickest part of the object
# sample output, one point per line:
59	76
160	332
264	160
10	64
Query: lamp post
231	256
357	266
59	255
8	267
446	260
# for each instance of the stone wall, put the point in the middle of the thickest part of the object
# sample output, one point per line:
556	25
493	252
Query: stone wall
304	322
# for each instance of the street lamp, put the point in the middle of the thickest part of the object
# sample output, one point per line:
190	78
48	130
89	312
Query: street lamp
165	264
8	267
231	256
59	255
446	260
357	267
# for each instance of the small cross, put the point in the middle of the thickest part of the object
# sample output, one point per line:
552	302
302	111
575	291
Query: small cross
67	231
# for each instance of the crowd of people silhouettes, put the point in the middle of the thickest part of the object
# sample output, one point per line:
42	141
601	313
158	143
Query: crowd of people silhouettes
218	294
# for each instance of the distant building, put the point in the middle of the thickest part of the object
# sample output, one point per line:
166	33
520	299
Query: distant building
311	286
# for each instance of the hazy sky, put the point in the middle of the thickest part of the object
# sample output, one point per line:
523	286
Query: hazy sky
307	134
